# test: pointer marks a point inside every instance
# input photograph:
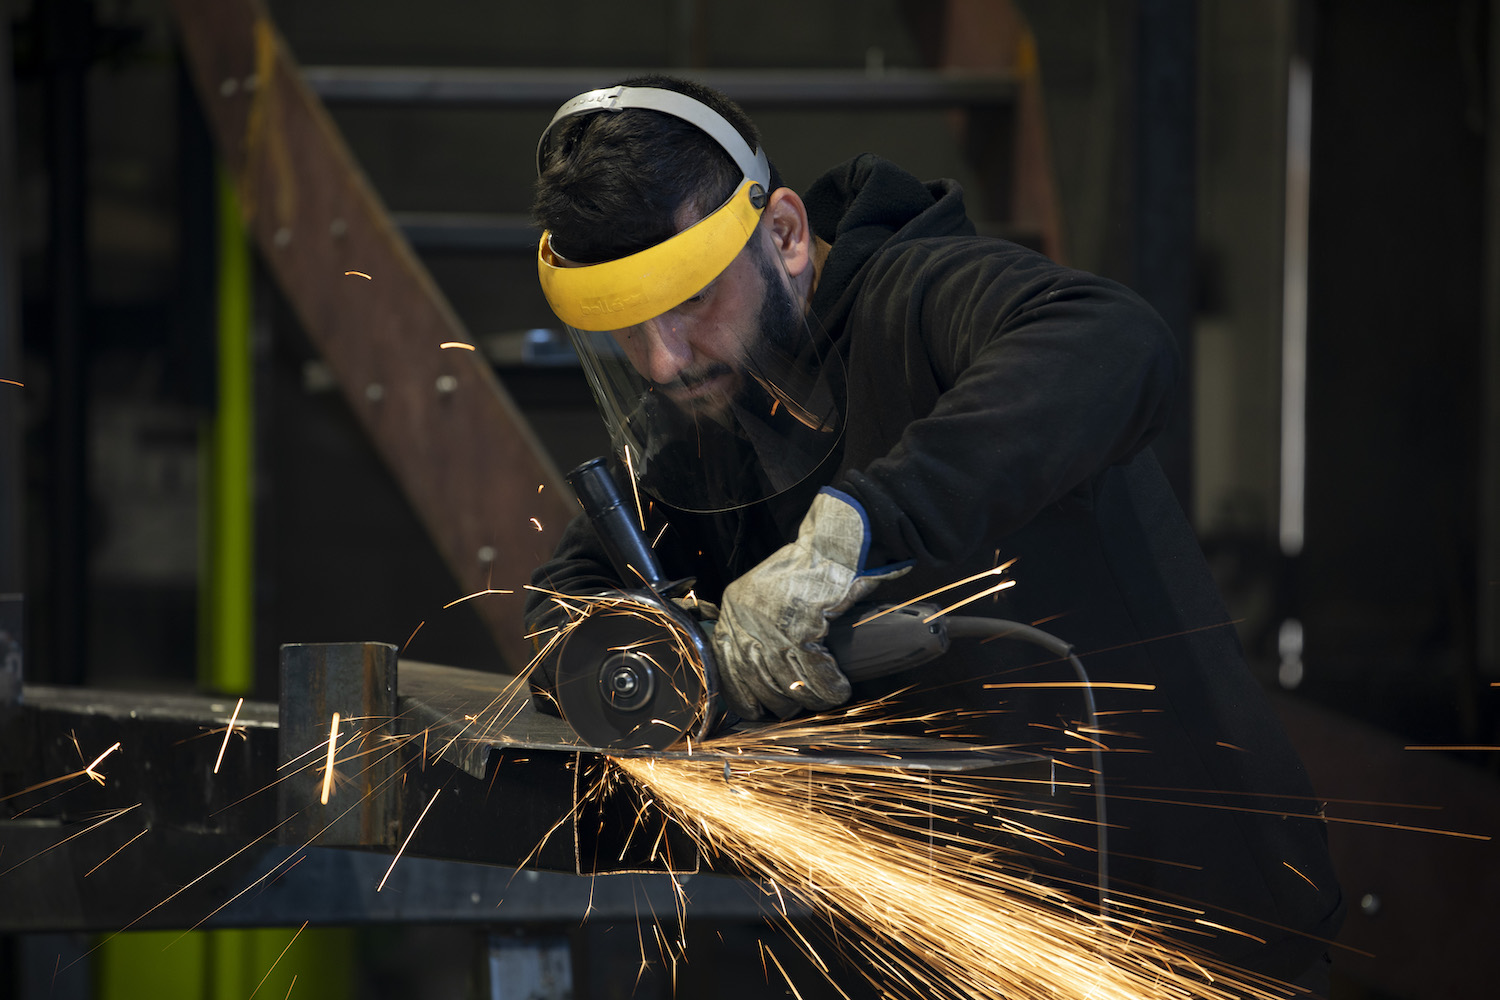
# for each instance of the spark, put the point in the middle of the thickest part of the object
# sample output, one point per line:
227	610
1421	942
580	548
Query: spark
289	988
478	593
359	274
635	488
1002	585
1453	747
333	736
1331	819
413	635
11	381
536	523
90	769
1092	685
92	826
228	732
1300	875
117	850
539	488
278	961
410	835
449	344
781	969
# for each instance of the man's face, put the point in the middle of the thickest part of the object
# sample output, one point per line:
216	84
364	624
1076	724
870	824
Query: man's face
699	354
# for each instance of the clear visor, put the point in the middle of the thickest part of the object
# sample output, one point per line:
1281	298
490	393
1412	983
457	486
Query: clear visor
729	397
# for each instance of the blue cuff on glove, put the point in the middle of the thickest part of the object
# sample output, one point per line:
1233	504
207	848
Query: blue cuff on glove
864	545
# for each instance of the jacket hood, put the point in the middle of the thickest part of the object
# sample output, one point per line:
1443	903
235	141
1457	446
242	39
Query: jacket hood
865	203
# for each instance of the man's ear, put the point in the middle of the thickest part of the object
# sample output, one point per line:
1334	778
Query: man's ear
786	219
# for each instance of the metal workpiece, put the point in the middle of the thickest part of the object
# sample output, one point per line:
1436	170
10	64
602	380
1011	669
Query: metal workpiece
173	879
163	757
460	801
337	725
509	785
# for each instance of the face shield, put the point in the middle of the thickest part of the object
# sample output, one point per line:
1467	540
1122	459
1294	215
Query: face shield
718	387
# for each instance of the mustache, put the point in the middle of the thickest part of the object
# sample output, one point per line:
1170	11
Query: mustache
692	379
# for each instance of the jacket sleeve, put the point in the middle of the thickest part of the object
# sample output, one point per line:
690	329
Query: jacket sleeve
578	566
1036	378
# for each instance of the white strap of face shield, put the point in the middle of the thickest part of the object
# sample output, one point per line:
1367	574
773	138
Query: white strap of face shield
753	165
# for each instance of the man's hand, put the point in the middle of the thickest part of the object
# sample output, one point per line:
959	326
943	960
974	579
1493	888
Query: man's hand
768	640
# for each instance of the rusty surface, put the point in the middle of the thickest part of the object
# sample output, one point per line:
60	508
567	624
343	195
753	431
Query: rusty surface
453	438
357	680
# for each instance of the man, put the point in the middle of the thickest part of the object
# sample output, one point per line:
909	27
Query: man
851	392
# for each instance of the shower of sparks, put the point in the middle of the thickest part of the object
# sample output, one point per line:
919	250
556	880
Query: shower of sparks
932	915
333	738
409	835
459	344
278	961
358	274
228	732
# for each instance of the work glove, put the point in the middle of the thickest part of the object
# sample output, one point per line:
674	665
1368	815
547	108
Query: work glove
772	620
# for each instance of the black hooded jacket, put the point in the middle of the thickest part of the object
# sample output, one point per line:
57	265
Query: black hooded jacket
1000	407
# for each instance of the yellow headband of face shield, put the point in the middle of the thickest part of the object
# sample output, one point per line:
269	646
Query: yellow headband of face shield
631	290
621	293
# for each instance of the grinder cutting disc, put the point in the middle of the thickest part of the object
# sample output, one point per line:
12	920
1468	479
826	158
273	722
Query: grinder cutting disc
625	681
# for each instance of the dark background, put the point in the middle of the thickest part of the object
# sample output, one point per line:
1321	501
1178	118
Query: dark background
107	310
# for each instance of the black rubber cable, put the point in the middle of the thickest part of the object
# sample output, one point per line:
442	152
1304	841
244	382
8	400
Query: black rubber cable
972	627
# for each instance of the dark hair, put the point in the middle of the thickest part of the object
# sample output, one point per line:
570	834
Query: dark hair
613	182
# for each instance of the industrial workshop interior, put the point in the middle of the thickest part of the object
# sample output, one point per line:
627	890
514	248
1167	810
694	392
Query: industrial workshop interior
286	422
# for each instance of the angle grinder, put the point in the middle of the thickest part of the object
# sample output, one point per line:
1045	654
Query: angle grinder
637	672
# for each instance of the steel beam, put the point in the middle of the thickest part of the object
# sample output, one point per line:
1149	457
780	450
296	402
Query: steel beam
542	88
343	696
176	880
460	449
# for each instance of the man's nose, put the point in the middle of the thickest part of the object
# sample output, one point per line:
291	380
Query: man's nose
666	348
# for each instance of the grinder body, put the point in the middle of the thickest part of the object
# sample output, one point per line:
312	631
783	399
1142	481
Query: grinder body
639	671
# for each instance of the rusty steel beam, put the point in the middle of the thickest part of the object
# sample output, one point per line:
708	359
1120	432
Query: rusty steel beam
453	438
356	680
